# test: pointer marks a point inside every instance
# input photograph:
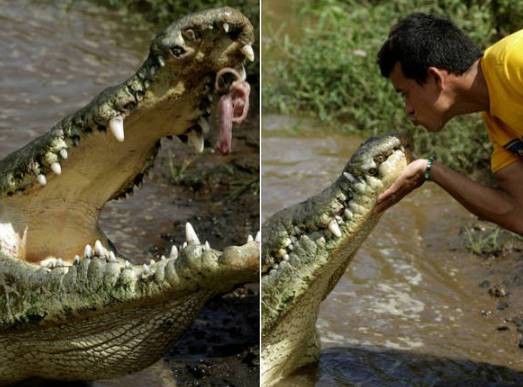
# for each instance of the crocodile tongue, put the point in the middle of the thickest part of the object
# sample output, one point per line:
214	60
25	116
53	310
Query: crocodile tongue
232	108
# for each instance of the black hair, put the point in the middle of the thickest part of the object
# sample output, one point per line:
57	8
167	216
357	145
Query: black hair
420	41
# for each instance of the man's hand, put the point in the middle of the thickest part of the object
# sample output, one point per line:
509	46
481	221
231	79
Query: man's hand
410	179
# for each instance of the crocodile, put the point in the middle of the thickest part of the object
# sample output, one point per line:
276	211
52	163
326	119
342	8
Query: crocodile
71	307
307	247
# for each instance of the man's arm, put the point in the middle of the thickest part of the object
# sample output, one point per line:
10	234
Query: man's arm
502	205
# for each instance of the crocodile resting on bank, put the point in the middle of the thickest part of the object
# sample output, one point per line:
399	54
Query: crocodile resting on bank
71	308
306	248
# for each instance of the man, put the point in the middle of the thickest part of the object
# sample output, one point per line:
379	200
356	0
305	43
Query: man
442	74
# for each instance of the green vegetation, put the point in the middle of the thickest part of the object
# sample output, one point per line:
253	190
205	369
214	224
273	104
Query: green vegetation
329	69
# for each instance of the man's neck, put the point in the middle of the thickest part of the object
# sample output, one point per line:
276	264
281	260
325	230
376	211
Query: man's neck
471	91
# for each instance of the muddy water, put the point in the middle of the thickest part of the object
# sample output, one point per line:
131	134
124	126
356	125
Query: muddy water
408	311
54	60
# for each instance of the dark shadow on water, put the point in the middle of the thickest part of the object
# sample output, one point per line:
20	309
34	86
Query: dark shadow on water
385	367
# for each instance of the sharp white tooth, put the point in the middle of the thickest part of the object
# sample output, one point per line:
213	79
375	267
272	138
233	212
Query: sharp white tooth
248	52
196	140
174	252
127	264
146	269
190	235
258	237
360	188
226	27
250	239
349	177
286	257
163	258
179	41
243	74
161	61
88	251
348	213
116	127
76	260
184	245
335	229
207	246
99	248
112	256
63	153
152	262
204	124
42	180
56	168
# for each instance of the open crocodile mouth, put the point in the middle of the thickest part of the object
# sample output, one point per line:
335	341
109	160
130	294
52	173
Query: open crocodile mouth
53	189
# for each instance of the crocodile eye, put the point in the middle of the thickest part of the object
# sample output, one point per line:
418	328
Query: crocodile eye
190	35
372	171
177	51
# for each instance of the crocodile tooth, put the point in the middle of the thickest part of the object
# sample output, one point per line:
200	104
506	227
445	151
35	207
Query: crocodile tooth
226	27
360	188
152	262
184	245
243	74
174	252
286	257
190	235
88	251
76	260
63	153
196	140
258	237
248	52
112	256
250	238
347	213
99	248
116	127
146	269
334	228
161	61
207	246
204	124
127	264
163	258
374	183
42	180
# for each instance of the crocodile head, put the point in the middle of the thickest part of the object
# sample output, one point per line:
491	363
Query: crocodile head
71	307
53	189
307	247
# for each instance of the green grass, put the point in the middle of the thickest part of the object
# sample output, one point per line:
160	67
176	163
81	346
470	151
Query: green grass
330	71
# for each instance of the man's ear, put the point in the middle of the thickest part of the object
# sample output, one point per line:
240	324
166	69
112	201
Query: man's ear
439	76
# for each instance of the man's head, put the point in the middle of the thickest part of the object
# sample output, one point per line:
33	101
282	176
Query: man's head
421	56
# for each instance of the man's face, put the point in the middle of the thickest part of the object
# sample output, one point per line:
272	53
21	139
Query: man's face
425	104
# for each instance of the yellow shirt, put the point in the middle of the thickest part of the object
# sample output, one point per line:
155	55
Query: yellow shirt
502	66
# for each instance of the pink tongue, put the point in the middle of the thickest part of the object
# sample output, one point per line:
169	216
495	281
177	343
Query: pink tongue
232	107
225	110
